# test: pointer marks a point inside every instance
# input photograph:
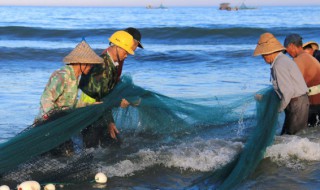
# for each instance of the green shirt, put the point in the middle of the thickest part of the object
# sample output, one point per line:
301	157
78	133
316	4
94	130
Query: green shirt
61	90
100	80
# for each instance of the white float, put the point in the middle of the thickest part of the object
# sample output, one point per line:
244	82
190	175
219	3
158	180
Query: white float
4	187
101	178
29	185
49	187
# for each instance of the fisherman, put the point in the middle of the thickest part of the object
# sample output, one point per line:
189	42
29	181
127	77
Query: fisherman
287	82
61	90
312	48
102	79
135	33
310	69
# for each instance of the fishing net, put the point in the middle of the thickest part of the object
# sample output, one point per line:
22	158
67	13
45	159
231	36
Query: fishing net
232	174
151	113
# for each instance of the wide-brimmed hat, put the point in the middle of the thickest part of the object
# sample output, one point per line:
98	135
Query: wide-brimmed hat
267	44
83	53
314	45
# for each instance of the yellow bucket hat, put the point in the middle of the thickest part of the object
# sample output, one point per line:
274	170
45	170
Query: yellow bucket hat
267	44
83	53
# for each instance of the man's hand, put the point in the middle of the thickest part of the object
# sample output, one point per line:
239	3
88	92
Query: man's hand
124	103
112	129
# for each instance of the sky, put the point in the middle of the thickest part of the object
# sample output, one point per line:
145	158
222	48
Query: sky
143	3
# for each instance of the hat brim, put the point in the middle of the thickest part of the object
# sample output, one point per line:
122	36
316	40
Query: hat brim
265	51
314	45
140	45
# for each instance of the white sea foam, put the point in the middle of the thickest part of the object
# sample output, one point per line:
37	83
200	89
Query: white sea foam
293	151
200	155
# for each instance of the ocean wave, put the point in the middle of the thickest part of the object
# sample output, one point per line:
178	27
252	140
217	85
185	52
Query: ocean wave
293	151
194	35
31	54
55	50
200	155
22	32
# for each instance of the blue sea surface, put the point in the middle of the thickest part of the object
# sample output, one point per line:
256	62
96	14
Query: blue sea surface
189	53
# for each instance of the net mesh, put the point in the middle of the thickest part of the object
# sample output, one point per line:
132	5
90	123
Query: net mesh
232	174
150	113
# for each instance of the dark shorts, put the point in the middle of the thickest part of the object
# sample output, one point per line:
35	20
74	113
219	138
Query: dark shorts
314	115
296	115
96	134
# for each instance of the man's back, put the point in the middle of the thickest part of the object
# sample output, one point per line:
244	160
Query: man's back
100	80
310	69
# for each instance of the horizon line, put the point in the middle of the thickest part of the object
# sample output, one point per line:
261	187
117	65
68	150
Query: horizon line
119	6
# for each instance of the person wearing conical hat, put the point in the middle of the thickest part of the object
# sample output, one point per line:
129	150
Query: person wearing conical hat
62	88
312	48
122	43
310	69
287	82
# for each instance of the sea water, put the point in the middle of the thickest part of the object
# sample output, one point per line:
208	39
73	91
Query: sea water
189	53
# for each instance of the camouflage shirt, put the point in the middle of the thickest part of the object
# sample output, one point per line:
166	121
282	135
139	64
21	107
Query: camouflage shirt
101	79
61	90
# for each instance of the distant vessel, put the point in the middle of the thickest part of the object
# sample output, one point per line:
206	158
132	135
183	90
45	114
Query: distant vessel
161	6
244	7
226	6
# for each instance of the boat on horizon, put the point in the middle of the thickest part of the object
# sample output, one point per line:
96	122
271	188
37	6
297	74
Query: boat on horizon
245	7
227	7
161	6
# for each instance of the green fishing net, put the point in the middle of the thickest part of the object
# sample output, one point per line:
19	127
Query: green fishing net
150	113
244	164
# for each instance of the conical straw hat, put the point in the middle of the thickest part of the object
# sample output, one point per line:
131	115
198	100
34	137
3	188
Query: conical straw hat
314	45
267	44
83	53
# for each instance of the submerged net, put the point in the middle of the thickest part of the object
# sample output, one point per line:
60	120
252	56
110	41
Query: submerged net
150	113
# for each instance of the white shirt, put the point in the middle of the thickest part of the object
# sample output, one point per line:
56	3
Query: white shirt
287	79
